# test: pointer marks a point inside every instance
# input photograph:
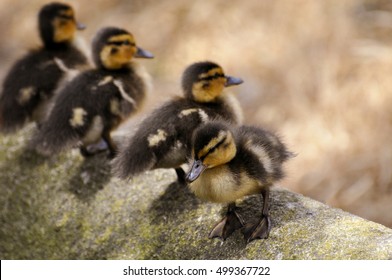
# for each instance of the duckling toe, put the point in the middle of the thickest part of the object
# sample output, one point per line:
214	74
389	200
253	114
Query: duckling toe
258	230
93	149
227	226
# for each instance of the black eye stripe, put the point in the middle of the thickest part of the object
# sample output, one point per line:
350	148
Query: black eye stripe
65	17
213	148
120	43
209	78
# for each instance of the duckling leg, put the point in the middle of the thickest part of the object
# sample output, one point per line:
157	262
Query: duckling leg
93	149
262	227
180	176
228	224
111	145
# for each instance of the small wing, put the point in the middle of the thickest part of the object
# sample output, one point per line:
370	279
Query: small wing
265	153
70	118
30	82
161	141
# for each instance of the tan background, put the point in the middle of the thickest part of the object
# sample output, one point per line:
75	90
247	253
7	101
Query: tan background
317	72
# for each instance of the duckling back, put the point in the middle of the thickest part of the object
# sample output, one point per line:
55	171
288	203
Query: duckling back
31	83
89	104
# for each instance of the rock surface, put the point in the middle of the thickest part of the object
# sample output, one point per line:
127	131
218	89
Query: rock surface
67	207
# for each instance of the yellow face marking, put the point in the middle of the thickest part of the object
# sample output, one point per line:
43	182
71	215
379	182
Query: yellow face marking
118	51
64	26
210	85
214	141
221	154
155	139
77	117
211	73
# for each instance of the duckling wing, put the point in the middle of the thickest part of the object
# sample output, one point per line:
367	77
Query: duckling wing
30	83
162	140
262	152
79	111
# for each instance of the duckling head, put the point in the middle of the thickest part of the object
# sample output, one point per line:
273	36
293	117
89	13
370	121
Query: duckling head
204	81
113	48
57	24
213	145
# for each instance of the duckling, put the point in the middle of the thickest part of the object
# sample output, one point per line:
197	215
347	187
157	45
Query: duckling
98	100
163	138
230	163
30	84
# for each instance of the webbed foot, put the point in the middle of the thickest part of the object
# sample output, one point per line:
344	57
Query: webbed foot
93	149
258	230
227	225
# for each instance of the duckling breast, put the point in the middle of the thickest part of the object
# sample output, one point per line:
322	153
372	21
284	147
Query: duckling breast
221	185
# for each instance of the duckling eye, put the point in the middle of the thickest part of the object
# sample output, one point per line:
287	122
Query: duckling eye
113	50
65	17
120	43
216	76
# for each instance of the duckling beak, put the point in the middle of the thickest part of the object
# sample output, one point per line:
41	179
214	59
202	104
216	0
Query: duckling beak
232	81
197	168
140	53
80	26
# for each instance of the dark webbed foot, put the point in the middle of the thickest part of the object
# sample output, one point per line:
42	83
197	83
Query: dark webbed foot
181	176
262	227
228	224
93	149
258	230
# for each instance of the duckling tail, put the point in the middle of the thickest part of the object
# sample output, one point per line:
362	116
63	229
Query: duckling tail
12	116
52	138
133	159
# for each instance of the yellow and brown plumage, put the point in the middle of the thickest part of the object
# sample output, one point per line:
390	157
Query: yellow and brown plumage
96	101
30	85
232	162
163	138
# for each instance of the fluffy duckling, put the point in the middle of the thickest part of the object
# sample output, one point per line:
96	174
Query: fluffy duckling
96	101
163	138
31	82
230	163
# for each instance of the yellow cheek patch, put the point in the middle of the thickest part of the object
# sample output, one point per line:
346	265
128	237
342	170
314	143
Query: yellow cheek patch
116	54
213	142
207	94
209	86
64	29
222	154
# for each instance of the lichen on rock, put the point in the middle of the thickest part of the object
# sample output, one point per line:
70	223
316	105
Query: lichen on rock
68	207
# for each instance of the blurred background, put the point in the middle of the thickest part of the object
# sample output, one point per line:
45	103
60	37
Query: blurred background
316	72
